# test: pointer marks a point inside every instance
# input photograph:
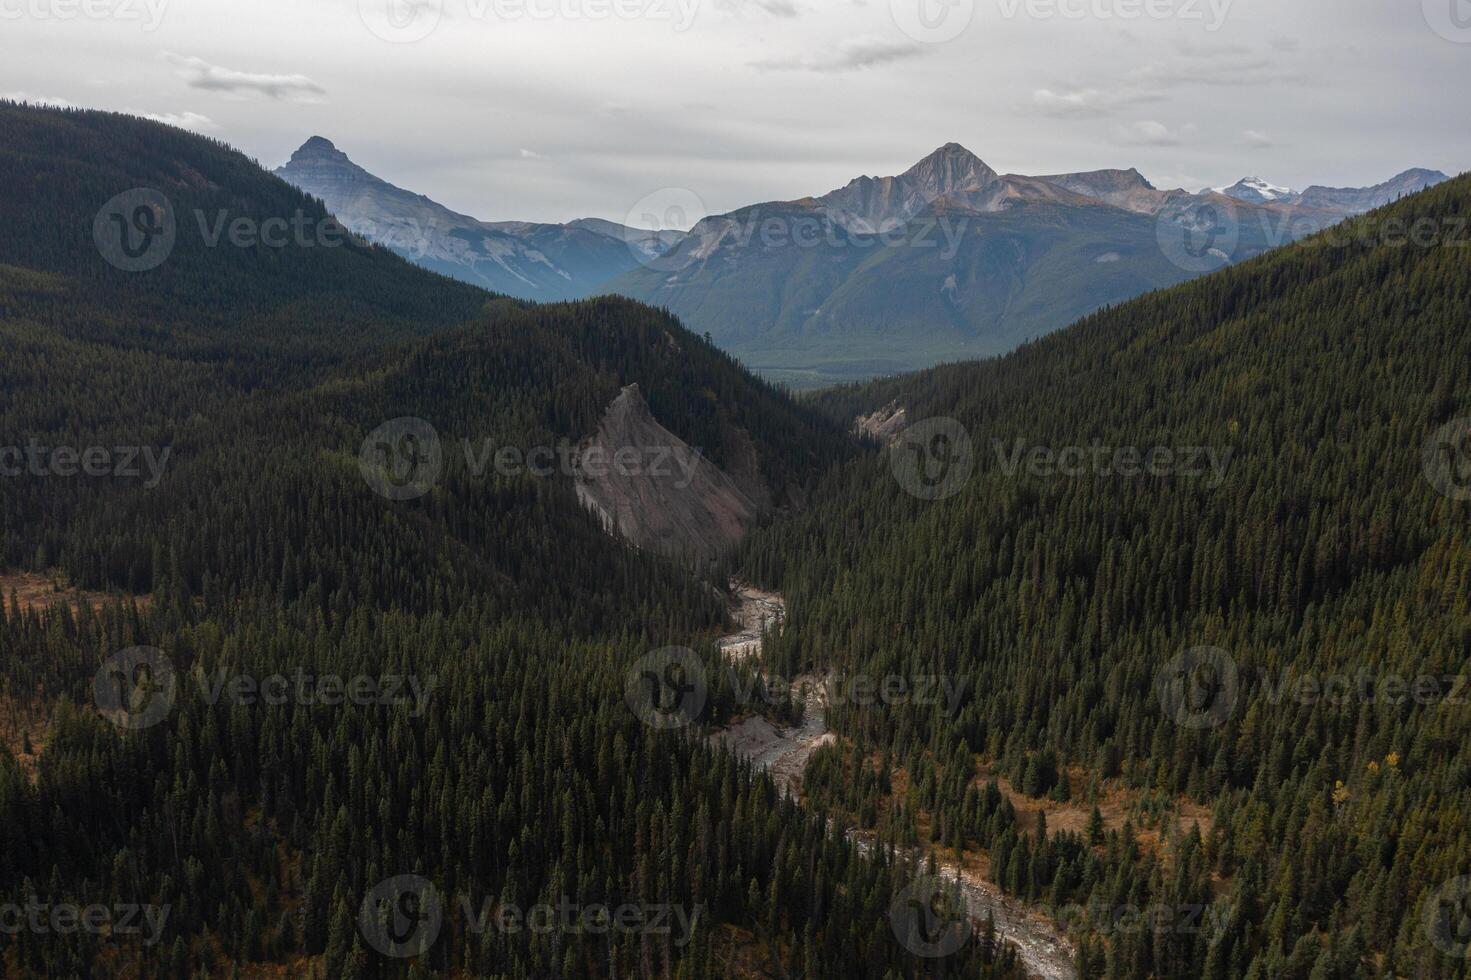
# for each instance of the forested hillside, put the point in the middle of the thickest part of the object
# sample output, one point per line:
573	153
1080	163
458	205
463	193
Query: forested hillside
1252	658
484	628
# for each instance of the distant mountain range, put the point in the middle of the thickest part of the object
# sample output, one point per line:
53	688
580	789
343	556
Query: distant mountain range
947	260
519	258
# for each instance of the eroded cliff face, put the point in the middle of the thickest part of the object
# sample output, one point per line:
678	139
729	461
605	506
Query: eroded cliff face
650	487
884	424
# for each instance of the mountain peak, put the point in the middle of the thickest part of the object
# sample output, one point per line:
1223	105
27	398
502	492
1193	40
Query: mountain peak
318	148
1432	177
1255	190
950	154
950	169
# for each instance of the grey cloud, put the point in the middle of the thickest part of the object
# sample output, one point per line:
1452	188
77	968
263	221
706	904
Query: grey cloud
777	8
1148	132
849	55
184	120
200	74
1080	102
1220	68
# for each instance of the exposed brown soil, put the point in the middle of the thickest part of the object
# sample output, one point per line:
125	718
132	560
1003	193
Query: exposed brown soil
1116	804
40	591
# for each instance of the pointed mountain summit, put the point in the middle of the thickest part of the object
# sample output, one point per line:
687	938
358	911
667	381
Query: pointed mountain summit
870	204
318	146
952	169
323	170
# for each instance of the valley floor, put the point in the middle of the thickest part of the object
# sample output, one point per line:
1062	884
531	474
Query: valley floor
1044	951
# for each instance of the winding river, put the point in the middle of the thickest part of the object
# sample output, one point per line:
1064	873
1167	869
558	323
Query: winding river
1044	951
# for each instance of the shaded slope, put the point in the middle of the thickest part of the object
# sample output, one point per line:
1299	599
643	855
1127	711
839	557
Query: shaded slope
1328	548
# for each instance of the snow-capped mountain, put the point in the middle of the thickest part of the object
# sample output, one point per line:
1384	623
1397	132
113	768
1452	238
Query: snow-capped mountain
1255	190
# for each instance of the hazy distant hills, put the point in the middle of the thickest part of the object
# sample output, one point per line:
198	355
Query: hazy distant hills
950	259
522	259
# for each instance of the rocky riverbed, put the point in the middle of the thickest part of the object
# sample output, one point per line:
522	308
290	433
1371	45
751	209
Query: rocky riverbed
783	752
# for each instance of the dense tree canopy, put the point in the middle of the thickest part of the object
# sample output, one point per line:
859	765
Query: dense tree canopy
494	618
1323	550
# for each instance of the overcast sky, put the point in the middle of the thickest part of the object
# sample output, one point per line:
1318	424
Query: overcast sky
556	109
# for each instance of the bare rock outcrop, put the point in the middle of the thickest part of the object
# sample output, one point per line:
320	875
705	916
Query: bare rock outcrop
884	424
654	490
